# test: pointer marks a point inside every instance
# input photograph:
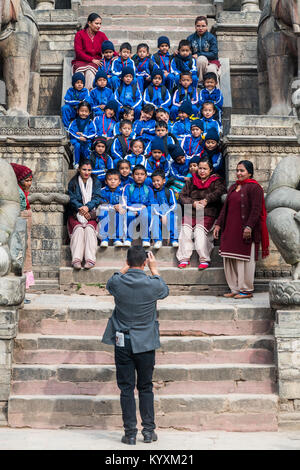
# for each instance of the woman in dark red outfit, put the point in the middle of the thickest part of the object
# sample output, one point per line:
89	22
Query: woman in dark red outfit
88	45
243	225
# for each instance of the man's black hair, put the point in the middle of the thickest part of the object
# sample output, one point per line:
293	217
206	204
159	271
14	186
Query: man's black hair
136	256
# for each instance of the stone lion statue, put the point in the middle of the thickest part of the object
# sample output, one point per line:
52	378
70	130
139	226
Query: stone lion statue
19	57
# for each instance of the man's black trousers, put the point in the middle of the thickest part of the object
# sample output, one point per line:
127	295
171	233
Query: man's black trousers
127	363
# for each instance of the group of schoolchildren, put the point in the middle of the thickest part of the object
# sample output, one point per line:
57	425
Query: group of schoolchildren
144	127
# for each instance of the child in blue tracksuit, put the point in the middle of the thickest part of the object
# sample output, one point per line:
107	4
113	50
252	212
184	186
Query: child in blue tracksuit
101	94
163	60
123	166
144	66
213	151
184	62
121	142
108	50
137	199
179	169
163	115
136	156
208	114
110	211
194	144
126	114
82	131
211	93
182	126
128	93
100	160
119	63
156	159
144	128
163	212
105	123
184	92
73	97
162	131
156	93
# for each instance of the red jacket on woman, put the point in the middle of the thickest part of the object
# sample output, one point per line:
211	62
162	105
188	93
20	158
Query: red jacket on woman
86	50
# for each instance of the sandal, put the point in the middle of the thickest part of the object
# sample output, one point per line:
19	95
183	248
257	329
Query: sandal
243	295
183	264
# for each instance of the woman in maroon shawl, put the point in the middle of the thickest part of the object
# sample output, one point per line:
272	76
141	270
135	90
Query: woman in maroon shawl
88	49
243	225
201	197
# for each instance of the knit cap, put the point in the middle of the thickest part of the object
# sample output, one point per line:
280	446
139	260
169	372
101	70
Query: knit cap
107	46
102	140
157	72
21	171
195	159
100	74
112	104
175	151
186	107
212	134
157	144
163	40
78	76
126	71
197	123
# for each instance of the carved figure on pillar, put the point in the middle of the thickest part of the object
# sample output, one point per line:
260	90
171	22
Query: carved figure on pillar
277	54
19	57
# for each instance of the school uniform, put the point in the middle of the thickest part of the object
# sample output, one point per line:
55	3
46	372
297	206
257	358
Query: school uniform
184	64
158	96
117	131
126	180
193	146
72	99
214	96
104	126
165	205
144	130
210	123
88	130
182	128
180	95
117	67
168	139
107	68
217	159
134	197
163	62
119	148
100	96
152	165
100	164
111	222
135	159
179	172
129	95
143	68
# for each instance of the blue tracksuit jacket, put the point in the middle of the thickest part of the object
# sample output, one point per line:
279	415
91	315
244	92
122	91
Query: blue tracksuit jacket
151	165
126	180
215	96
104	126
193	146
141	195
118	65
99	96
145	130
182	128
125	96
100	164
158	100
116	150
187	64
74	97
135	159
179	171
209	123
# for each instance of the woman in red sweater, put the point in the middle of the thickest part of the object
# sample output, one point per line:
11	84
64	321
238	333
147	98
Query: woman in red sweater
88	45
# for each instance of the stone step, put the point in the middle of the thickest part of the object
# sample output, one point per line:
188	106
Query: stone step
167	379
178	316
165	256
167	9
230	412
43	349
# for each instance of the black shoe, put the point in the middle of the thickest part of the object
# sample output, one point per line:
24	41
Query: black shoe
128	440
149	436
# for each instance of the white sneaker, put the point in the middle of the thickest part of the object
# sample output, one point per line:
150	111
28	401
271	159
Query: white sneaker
175	244
104	244
127	243
157	245
146	244
118	243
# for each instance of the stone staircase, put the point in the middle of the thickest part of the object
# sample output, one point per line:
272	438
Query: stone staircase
215	369
144	21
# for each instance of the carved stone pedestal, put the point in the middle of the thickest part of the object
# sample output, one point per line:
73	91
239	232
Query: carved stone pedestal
285	299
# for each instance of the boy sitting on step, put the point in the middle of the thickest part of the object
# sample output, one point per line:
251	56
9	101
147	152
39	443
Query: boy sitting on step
128	93
161	130
105	123
119	63
144	66
163	214
108	51
144	128
75	94
121	143
137	199
156	93
110	210
179	169
163	60
101	162
210	93
182	126
156	159
101	94
184	92
184	62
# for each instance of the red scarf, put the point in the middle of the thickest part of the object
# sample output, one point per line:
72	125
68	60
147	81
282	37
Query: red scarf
263	218
200	185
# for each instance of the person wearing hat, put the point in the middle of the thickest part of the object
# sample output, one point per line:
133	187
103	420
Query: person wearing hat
194	144
184	92
157	159
128	93
101	94
179	169
213	151
201	199
182	126
106	122
119	63
75	94
156	93
108	52
210	92
193	165
144	66
163	60
100	160
24	179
